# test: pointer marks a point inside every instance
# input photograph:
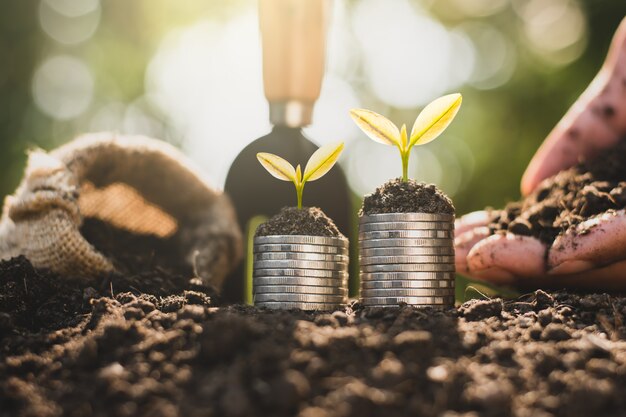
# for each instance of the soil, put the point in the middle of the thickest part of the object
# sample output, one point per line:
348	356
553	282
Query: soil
568	198
145	263
310	221
66	350
397	196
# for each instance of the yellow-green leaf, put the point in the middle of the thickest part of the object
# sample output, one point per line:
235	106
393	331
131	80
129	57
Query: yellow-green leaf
298	174
403	138
277	166
434	119
322	161
377	127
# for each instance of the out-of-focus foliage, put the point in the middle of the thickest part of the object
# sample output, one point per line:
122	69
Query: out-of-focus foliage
71	66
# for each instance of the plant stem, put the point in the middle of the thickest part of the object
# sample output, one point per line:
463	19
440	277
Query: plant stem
405	166
299	190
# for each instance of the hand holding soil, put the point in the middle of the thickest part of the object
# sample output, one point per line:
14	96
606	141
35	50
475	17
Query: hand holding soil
570	230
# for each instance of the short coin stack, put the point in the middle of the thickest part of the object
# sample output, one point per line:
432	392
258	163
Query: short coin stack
407	258
305	272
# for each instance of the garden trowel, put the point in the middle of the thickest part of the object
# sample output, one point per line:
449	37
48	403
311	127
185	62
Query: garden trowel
293	39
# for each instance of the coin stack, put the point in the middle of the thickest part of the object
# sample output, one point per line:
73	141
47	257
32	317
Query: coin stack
305	272
407	258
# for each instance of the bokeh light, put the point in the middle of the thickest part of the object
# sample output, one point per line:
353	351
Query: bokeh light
330	117
495	55
207	79
69	22
73	8
63	87
190	73
408	59
555	30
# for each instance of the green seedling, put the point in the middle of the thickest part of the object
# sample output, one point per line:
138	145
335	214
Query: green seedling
430	123
318	165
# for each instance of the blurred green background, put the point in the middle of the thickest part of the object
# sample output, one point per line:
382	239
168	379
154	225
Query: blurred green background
189	72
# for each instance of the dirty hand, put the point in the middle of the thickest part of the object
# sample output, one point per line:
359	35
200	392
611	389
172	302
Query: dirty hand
596	258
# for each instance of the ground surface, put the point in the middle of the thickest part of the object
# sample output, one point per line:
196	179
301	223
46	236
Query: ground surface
79	351
569	198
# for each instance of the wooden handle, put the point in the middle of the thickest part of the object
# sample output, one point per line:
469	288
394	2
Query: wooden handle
293	34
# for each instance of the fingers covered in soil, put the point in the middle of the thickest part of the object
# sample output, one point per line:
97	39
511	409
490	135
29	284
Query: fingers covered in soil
464	243
543	354
502	258
595	242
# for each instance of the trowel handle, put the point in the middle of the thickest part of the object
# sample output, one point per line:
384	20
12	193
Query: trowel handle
293	34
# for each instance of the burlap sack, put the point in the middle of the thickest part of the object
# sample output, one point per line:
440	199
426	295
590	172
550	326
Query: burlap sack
136	183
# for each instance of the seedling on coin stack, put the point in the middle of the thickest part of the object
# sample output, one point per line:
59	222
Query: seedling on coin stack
300	257
406	228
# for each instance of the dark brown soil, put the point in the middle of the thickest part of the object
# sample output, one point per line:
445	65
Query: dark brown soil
568	198
310	221
397	196
140	355
146	263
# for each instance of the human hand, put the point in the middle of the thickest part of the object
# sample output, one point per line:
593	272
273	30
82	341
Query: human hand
596	121
593	253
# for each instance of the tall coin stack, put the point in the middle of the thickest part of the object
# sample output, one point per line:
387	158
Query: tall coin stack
305	272
407	258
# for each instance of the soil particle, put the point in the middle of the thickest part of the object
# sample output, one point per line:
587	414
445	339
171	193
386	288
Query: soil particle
309	221
570	197
67	350
476	309
397	196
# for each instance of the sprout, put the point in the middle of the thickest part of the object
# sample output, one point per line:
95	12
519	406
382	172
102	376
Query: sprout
319	164
430	123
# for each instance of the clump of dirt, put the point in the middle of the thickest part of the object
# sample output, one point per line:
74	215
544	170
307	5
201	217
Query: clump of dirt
397	196
568	198
310	221
554	354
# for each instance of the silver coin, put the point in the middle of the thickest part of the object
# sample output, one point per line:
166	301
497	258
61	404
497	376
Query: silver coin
299	289
408	292
301	239
407	276
379	285
277	256
408	268
291	272
298	298
300	306
301	281
409	251
289	247
416	259
406	217
446	300
411	234
333	266
374	227
406	243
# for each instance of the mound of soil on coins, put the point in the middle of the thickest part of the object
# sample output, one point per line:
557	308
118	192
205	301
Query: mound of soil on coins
310	221
568	198
397	196
137	354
